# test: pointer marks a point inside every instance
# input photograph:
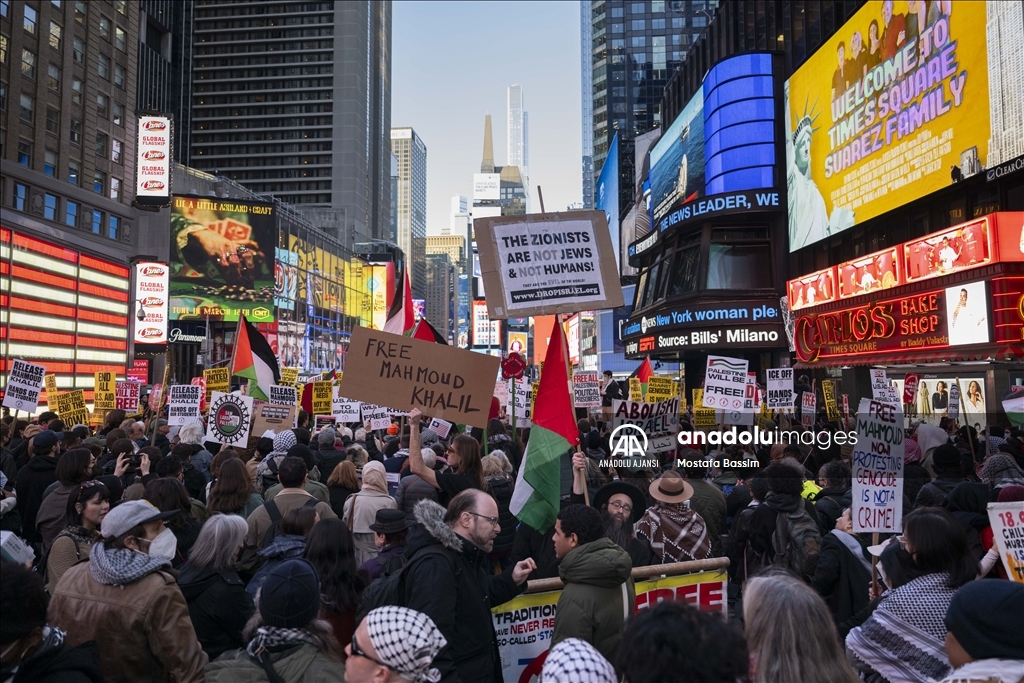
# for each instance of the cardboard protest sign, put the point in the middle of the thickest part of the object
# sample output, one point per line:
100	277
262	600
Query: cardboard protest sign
877	463
378	417
780	388
658	389
183	404
652	418
540	264
230	418
440	427
725	382
323	394
104	393
23	386
910	384
534	388
127	394
879	384
1007	520
828	392
405	373
586	390
71	408
703	418
51	391
274	418
344	409
289	377
217	379
281	395
808	408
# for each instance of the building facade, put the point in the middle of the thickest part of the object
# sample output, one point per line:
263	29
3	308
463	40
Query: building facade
439	297
518	131
165	66
411	203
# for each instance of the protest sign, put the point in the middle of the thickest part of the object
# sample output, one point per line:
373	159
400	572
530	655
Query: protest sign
808	408
780	388
525	625
846	406
104	393
910	384
751	397
379	417
183	404
586	390
23	386
274	418
156	394
534	388
540	264
1007	520
636	390
521	391
127	396
344	409
51	391
217	379
879	384
501	392
200	382
764	416
652	418
405	373
281	395
71	408
953	407
230	418
725	382
440	427
658	389
703	418
323	393
828	392
321	422
877	464
289	377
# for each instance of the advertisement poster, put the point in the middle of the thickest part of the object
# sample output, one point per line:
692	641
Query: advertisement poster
151	298
486	332
877	464
23	386
586	390
153	162
1007	520
607	193
725	382
893	107
780	388
935	395
967	313
222	259
286	278
229	419
960	247
547	263
183	404
677	159
517	342
910	384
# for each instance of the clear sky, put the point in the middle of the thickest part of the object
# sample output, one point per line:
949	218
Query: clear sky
452	63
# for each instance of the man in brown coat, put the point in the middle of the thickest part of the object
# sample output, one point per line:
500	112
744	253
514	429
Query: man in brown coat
126	598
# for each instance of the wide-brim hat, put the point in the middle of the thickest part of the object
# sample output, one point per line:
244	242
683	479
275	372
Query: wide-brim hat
605	493
390	522
670	487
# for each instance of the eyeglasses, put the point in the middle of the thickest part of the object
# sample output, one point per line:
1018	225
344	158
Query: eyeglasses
616	505
495	521
358	652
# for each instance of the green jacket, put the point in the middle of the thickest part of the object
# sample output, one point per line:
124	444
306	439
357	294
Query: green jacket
303	664
598	596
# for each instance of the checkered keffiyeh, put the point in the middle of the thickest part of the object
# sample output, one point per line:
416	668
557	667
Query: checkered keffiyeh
407	641
576	661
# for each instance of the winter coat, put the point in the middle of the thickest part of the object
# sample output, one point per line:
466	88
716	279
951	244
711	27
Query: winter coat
218	606
61	663
598	596
743	562
708	501
392	554
762	522
538	546
327	459
339	494
259	521
360	512
300	664
458	600
201	459
277	551
412	490
51	518
934	492
187	533
841	578
313	488
830	503
33	478
142	629
500	489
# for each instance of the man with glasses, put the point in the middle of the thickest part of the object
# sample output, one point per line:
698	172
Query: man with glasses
393	644
621	506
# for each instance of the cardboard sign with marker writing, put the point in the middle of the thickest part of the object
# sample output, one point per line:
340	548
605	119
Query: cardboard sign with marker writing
274	418
405	373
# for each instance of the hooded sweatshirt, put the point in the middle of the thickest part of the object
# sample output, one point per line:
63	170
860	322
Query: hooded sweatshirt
54	661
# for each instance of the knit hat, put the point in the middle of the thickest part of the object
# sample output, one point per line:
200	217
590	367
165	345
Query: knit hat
290	595
576	661
392	429
982	615
406	641
1010	494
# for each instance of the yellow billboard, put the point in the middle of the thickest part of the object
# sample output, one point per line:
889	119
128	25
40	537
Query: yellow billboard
894	106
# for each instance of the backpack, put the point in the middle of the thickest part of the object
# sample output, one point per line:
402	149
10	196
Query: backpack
389	589
796	541
276	517
269	478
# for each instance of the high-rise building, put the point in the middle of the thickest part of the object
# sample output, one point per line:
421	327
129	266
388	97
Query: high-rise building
1005	35
293	99
518	131
411	206
497	190
393	232
454	246
439	299
587	102
634	46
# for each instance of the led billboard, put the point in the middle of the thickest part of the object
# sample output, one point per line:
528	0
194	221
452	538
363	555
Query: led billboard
905	99
607	195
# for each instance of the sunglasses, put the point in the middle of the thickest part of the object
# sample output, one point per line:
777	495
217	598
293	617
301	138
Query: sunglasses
86	485
358	652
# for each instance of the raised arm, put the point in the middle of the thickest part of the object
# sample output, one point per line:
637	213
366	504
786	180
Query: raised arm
416	464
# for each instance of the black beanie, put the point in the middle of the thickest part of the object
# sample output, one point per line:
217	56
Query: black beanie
946	457
290	595
22	601
982	615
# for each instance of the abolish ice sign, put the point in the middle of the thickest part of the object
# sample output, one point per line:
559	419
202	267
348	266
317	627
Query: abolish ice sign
877	464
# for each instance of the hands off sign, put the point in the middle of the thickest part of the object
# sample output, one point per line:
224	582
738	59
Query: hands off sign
405	373
23	386
183	404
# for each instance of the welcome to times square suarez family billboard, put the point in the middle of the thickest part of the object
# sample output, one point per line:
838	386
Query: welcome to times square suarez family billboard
903	100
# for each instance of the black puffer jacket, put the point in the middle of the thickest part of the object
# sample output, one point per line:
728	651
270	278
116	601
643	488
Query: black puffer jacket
830	503
500	489
841	577
218	606
457	592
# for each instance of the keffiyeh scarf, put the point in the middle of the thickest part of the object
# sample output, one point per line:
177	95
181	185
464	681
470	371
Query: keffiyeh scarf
1001	470
275	638
122	566
576	661
407	641
904	639
676	533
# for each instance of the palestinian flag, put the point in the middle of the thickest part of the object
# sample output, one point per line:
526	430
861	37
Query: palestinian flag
400	317
254	359
428	332
535	501
644	373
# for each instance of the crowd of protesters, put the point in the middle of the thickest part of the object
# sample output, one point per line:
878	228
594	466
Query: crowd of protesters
361	555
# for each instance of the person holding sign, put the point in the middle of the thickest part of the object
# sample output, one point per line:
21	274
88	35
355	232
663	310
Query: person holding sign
463	457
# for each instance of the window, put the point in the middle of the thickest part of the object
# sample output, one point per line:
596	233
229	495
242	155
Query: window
120	39
118	114
71	214
24	152
28	107
639	41
103	67
3	49
3	96
736	259
74	172
30	19
76	131
637	8
115	150
76	90
119	76
102	106
5	8
639	24
78	51
657	5
97	221
56	3
684	267
80	11
115	188
50	163
28	63
101	145
122	7
55	31
678	22
652	284
113	227
50	207
99	181
20	196
105	27
700	21
657	24
53	77
616	12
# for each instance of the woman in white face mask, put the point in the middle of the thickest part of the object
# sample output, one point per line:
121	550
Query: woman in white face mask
126	598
